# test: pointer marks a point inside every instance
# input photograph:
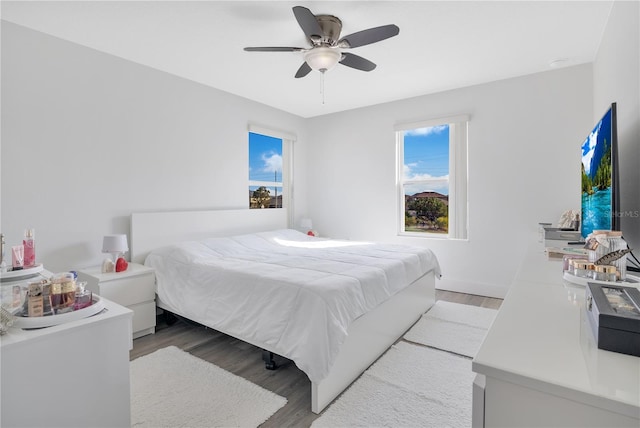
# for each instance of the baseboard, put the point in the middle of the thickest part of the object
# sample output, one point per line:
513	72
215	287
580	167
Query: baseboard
477	288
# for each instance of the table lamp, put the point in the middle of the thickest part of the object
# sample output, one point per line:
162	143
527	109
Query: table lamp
306	224
116	245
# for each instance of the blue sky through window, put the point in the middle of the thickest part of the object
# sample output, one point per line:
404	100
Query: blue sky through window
265	158
426	157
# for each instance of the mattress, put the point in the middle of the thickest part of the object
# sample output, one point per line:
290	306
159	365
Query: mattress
289	293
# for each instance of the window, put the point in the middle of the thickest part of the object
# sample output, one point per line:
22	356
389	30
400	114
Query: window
265	171
270	168
432	177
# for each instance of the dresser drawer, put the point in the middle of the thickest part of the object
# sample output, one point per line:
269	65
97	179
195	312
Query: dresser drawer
130	290
144	316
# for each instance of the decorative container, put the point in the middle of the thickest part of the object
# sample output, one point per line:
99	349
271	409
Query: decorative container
613	312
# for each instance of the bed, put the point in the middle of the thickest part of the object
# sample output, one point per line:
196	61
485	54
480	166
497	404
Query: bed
331	306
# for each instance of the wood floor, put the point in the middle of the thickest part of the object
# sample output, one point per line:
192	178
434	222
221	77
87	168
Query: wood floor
245	360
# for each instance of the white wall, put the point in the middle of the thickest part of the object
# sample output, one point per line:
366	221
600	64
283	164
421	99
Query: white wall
616	78
524	156
89	138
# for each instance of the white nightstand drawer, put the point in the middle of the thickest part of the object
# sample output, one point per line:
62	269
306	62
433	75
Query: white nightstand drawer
144	316
134	288
129	290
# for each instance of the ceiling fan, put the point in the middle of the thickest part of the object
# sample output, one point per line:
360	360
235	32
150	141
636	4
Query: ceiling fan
327	49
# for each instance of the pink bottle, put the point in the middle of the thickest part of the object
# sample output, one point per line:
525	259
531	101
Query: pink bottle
29	243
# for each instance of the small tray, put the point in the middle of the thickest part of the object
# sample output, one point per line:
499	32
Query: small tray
631	280
50	320
12	274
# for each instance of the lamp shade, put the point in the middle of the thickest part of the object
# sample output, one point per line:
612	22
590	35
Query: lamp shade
115	244
322	58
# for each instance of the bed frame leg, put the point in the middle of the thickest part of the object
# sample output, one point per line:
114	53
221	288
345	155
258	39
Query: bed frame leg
169	317
269	362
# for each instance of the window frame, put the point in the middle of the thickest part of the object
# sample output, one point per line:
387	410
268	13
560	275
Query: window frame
288	140
458	176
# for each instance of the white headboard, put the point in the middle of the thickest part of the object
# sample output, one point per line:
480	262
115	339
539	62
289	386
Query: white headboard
154	230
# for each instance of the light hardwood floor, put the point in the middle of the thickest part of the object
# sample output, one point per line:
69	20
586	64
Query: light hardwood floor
246	360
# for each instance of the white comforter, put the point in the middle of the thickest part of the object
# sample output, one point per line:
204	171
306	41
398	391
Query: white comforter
284	291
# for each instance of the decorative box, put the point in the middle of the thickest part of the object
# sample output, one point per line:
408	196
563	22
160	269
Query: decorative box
557	234
558	238
613	312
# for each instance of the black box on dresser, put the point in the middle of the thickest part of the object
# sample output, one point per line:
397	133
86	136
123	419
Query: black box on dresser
613	312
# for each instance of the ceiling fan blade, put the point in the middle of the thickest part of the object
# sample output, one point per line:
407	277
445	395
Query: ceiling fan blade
308	23
372	35
303	70
357	62
273	49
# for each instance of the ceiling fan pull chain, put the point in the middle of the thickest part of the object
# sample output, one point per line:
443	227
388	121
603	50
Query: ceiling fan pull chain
322	86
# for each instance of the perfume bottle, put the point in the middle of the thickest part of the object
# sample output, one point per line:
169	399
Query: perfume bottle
56	293
83	296
47	306
29	244
68	290
35	301
63	292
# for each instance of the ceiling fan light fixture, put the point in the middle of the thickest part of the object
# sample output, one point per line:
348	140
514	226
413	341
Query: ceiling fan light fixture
322	58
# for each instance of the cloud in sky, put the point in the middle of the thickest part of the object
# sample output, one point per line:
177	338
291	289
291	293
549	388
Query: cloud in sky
410	175
427	131
432	183
272	162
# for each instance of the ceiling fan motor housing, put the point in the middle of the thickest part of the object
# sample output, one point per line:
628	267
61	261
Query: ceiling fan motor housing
331	27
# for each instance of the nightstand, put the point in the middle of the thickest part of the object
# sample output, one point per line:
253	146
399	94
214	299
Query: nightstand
133	288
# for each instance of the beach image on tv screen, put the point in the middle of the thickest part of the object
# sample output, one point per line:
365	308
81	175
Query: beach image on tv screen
596	178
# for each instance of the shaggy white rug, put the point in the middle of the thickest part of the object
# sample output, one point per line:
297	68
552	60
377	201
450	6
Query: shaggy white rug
453	327
414	385
172	388
410	386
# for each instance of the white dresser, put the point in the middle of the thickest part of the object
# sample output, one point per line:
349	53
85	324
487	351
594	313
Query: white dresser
134	288
540	364
72	375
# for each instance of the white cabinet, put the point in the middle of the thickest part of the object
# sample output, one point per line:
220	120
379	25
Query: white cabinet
541	364
73	375
133	288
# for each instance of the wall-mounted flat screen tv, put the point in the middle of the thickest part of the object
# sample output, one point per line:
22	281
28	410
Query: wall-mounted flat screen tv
600	193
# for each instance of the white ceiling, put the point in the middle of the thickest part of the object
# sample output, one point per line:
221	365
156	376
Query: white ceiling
442	44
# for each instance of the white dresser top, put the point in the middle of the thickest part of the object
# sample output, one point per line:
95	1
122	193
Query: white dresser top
541	339
17	336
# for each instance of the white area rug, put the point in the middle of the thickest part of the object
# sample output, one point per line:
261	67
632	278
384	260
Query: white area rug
453	327
410	386
172	388
413	385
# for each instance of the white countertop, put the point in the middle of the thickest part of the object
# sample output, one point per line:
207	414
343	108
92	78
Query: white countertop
541	339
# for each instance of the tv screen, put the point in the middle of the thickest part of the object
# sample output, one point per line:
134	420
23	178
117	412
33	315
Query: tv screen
600	176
